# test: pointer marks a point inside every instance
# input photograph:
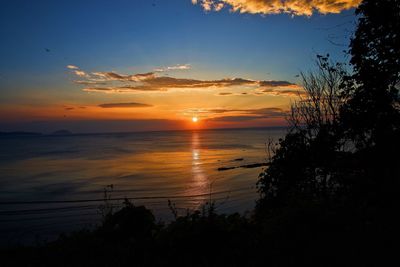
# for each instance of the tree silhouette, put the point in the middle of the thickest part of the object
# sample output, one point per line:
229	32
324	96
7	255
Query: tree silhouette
372	115
371	118
305	163
345	132
320	109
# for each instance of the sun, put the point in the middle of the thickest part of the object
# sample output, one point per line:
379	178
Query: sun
195	119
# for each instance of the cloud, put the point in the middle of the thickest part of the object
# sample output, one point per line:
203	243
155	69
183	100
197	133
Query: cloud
275	84
80	73
268	112
214	114
122	89
72	107
113	76
282	92
249	114
296	92
175	67
90	82
72	67
113	82
124	105
77	71
266	7
234	118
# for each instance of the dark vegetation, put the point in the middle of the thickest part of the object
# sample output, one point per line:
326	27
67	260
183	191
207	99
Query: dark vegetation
330	196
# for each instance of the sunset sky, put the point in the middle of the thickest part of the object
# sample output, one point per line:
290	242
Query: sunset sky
135	65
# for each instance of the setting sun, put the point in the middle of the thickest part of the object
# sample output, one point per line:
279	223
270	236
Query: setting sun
195	119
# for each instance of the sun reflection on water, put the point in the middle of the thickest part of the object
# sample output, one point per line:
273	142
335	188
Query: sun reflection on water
200	181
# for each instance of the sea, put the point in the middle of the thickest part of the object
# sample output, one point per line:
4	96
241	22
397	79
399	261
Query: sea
53	184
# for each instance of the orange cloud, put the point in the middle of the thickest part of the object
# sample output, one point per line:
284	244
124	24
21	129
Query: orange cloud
266	7
80	73
282	92
233	116
242	114
125	105
113	76
112	82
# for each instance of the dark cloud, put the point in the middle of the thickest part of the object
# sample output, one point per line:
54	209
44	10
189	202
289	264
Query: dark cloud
268	112
72	107
274	83
121	89
250	114
113	76
234	118
112	82
124	105
282	92
239	114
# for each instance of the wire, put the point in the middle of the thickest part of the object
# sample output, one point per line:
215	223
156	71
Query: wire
114	199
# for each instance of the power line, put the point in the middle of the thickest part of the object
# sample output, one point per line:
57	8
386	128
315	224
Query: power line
114	199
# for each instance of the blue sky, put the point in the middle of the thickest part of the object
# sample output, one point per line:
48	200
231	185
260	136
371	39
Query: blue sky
137	36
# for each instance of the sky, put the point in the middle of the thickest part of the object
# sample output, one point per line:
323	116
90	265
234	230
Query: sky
139	65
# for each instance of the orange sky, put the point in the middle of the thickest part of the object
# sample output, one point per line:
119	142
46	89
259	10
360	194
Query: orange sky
226	102
143	66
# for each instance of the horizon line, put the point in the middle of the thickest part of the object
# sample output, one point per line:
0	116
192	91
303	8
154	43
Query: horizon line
10	133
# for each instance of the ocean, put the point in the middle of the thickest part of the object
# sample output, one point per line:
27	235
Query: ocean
51	184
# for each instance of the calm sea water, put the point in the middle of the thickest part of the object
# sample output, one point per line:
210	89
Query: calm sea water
150	167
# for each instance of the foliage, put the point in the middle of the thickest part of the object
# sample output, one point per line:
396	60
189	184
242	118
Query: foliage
319	110
372	115
304	164
340	151
344	133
